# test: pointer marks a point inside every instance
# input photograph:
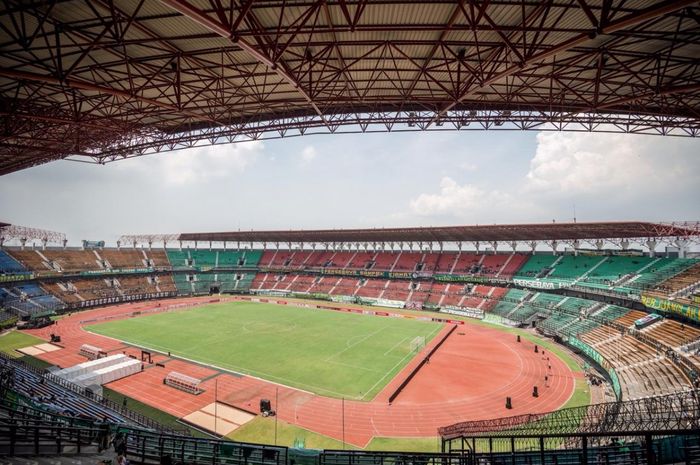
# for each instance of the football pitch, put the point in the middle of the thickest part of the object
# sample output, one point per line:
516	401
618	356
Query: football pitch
330	353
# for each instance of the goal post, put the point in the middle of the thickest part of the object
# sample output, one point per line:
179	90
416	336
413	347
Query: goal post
417	343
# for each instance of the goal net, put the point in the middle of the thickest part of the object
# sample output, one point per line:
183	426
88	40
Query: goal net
417	343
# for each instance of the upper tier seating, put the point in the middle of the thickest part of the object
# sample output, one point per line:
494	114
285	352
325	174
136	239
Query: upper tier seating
467	263
339	259
201	257
319	258
515	262
681	286
10	265
267	257
384	261
158	257
233	258
407	261
73	260
124	258
30	259
537	266
445	262
178	258
659	270
614	269
571	267
360	260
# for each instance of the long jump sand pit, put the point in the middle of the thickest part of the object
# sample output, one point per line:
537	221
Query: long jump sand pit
39	349
219	418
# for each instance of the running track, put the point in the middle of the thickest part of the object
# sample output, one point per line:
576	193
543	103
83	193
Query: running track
468	378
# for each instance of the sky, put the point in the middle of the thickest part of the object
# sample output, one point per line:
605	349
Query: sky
364	181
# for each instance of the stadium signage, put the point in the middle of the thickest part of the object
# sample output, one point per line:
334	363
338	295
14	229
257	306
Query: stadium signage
376	274
664	305
467	278
117	271
15	277
536	284
123	298
464	311
594	355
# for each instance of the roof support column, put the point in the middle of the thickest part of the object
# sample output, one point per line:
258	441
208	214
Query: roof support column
651	244
682	245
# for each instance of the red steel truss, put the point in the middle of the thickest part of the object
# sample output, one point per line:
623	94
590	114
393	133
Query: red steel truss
474	233
101	80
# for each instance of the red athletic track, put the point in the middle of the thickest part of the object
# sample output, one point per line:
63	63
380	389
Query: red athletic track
468	378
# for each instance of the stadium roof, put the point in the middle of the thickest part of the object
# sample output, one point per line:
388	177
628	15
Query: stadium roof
487	233
102	80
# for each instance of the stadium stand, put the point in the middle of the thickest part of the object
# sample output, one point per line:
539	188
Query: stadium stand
680	286
178	258
658	271
407	261
30	259
71	260
9	265
124	258
158	258
466	263
359	260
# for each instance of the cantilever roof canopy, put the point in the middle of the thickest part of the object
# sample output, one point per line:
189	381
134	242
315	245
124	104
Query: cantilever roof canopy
506	232
102	80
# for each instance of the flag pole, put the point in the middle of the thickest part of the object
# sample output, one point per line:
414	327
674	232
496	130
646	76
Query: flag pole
343	419
216	403
277	409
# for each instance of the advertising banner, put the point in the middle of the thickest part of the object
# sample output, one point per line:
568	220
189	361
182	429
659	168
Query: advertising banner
6	278
657	303
537	284
468	312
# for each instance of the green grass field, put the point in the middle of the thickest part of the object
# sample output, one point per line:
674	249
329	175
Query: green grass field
330	353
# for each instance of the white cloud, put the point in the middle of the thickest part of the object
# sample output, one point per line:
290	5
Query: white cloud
308	154
201	164
578	163
457	200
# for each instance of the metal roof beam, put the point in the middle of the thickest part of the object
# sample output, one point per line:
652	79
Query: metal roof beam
197	15
630	20
81	85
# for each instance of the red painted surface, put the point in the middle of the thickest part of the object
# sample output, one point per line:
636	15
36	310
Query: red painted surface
468	378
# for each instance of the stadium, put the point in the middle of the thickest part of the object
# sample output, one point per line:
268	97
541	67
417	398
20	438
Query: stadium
522	343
